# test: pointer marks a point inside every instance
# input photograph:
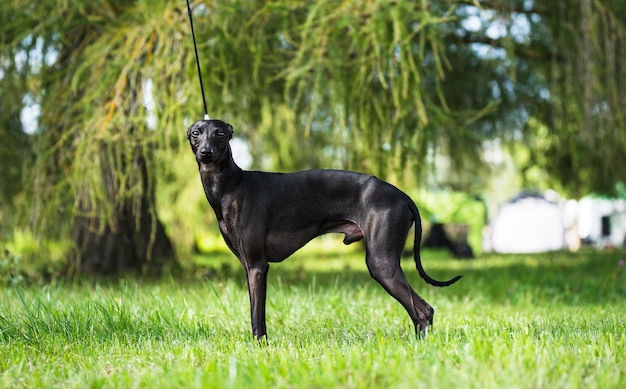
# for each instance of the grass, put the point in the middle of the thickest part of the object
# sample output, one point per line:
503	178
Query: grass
534	321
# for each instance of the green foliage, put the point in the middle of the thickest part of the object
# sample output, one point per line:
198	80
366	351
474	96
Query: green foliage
401	89
553	320
455	208
562	90
26	257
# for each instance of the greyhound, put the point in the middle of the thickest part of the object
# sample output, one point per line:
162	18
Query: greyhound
265	217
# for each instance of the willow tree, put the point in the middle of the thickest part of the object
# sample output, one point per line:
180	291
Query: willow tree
556	69
289	75
92	179
352	85
14	142
372	86
586	118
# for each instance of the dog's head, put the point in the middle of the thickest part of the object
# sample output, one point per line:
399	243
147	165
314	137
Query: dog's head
209	140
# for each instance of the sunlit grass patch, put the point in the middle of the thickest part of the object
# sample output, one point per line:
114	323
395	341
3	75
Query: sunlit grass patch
554	320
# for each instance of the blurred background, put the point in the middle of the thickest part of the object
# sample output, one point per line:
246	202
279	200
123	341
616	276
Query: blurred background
504	120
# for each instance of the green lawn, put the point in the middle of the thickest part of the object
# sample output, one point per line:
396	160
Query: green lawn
534	321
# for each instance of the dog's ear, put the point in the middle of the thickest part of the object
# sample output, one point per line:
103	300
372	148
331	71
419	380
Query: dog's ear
230	129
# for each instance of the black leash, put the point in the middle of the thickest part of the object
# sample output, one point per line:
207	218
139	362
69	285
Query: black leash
195	48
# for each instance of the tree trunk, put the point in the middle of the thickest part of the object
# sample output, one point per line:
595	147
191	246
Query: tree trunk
124	246
131	240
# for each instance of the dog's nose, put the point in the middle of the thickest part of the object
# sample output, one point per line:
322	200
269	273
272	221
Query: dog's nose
206	152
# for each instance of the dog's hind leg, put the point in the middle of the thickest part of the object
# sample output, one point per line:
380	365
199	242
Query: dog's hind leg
383	261
389	274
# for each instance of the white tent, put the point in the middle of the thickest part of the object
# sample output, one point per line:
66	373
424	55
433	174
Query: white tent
592	211
527	224
618	229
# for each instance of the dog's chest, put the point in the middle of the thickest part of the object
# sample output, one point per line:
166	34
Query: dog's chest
229	214
224	227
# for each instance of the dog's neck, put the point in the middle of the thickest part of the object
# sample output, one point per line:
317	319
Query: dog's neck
217	178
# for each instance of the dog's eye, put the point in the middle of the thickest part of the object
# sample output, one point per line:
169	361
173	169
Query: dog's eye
220	134
195	133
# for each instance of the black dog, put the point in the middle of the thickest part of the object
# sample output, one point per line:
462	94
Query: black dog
266	217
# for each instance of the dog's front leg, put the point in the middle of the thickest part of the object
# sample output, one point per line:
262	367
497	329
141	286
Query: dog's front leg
257	288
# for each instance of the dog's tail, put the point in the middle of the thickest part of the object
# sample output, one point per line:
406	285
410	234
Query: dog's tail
416	251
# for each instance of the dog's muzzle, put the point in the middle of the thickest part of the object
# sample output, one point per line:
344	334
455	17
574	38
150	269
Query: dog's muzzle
206	153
